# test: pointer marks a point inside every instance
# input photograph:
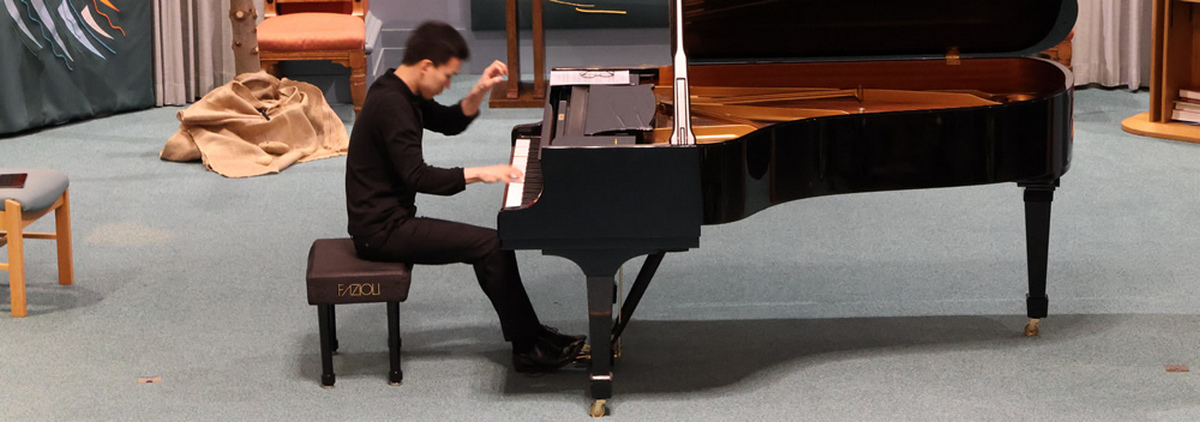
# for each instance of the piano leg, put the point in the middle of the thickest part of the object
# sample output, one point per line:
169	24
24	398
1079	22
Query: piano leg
600	321
635	294
1037	238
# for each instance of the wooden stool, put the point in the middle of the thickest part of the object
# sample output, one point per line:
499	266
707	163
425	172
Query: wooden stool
336	275
41	192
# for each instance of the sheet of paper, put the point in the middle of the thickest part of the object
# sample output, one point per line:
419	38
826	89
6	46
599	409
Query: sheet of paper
589	77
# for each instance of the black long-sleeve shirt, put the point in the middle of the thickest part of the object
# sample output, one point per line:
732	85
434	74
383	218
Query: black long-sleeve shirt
385	167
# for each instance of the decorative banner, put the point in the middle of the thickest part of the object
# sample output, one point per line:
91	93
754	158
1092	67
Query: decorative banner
67	60
16	15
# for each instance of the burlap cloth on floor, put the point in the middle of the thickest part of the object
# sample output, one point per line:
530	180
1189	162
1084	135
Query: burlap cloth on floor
257	124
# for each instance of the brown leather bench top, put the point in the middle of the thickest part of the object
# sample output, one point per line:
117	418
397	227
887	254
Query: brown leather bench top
337	275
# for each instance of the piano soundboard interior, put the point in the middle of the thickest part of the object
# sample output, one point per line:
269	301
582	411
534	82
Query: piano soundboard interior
720	121
722	111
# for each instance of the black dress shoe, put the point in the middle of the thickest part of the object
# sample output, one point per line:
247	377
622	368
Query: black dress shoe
552	335
546	355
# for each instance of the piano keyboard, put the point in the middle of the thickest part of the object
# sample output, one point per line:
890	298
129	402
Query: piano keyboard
524	158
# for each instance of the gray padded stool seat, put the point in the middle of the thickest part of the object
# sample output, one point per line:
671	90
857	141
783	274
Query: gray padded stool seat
336	275
42	188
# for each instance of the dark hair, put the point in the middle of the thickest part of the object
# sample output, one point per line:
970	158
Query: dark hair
435	41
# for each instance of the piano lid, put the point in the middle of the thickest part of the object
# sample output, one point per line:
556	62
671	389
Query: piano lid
737	31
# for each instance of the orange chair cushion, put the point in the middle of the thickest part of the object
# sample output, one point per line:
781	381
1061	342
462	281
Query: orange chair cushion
311	31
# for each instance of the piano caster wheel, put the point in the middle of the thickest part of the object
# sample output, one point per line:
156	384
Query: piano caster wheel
1031	330
598	410
327	387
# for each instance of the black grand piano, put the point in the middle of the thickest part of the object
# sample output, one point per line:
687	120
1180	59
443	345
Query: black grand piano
782	100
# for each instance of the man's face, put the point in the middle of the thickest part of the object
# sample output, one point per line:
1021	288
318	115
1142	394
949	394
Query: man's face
435	79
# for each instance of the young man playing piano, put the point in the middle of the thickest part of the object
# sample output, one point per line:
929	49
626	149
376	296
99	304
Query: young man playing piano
385	169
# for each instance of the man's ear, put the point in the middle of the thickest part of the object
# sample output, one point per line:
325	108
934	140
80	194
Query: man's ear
425	64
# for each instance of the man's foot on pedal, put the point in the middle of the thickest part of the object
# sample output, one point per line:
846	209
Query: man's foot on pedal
552	335
549	351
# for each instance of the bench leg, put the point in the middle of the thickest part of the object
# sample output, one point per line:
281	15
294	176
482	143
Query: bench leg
325	313
333	329
396	375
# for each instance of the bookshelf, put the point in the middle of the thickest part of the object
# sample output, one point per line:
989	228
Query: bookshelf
1173	66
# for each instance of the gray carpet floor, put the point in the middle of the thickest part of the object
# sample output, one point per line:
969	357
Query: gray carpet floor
896	306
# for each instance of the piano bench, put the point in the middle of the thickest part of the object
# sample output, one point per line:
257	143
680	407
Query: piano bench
336	275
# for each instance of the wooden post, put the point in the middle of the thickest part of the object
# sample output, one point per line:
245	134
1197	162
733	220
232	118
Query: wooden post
244	17
513	93
539	53
512	24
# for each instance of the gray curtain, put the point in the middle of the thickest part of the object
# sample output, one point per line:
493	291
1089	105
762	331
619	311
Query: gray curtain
1113	43
192	53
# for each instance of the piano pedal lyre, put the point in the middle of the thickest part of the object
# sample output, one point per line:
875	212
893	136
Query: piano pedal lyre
1031	329
585	354
584	357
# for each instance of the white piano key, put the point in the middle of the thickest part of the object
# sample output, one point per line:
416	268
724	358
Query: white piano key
520	160
513	199
520	148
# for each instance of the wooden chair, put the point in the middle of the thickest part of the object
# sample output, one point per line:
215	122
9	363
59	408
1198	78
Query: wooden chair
44	191
332	30
1062	52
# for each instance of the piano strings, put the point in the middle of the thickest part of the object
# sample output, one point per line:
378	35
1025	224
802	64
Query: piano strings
727	112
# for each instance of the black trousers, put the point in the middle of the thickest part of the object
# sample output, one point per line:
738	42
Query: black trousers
432	241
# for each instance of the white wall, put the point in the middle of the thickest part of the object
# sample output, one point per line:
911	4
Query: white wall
579	47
